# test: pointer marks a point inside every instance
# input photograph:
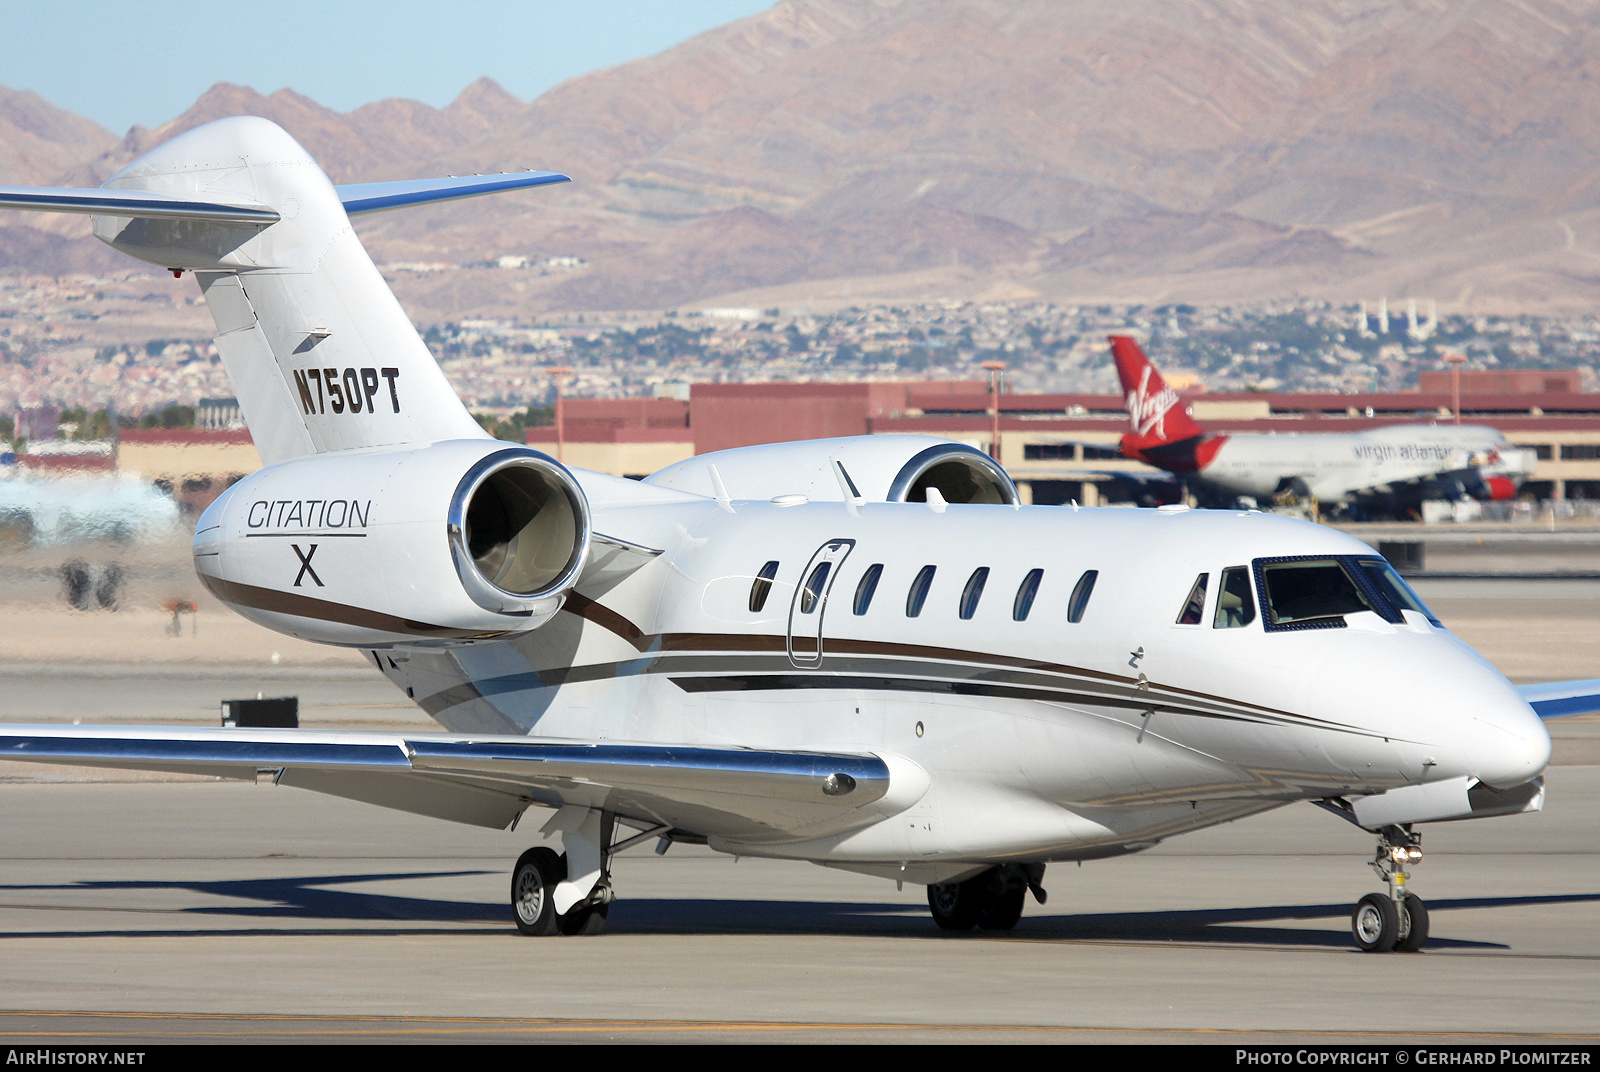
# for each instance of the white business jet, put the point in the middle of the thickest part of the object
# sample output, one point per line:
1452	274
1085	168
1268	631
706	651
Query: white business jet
862	653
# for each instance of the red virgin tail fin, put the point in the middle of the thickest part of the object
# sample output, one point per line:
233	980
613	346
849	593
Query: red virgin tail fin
1158	415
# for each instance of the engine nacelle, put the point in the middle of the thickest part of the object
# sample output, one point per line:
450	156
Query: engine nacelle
884	468
431	546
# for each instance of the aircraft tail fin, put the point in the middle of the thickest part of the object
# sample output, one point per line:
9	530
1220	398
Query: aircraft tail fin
321	355
1155	410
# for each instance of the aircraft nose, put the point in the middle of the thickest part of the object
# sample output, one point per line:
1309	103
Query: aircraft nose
1510	743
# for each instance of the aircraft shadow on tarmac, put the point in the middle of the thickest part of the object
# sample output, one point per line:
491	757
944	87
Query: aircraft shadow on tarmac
318	899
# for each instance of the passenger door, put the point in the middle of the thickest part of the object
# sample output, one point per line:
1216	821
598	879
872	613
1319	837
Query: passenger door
810	603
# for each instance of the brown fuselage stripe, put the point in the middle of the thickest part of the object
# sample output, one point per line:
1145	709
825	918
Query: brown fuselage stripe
641	641
302	606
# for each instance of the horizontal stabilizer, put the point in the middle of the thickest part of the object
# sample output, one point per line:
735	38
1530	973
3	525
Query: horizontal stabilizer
378	196
1557	698
139	204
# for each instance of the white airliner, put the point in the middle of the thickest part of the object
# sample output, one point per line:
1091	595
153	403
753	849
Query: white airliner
1398	466
859	652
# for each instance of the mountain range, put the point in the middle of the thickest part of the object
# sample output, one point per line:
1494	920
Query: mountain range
1071	150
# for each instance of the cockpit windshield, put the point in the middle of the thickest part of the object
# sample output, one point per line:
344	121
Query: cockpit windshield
1317	592
1307	590
1396	591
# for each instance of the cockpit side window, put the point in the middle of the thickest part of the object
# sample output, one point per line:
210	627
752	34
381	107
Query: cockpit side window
1390	585
1194	608
1236	607
1310	593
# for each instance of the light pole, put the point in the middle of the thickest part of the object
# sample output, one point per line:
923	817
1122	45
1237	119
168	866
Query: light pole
557	373
995	369
1454	361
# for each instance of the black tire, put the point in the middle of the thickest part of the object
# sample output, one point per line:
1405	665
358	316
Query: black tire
1413	925
585	920
108	590
533	883
1001	911
1375	924
955	905
78	585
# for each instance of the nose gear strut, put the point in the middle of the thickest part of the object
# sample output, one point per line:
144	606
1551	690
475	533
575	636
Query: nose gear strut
1397	919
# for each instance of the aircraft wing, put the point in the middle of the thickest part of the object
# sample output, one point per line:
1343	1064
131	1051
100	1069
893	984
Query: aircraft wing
1555	699
146	204
357	198
490	780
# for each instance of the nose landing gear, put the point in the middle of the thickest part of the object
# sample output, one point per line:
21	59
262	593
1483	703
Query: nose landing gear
1396	920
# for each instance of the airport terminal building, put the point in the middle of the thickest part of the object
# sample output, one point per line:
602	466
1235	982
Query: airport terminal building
1046	440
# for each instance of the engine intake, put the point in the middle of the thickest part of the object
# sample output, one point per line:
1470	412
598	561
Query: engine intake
962	474
518	531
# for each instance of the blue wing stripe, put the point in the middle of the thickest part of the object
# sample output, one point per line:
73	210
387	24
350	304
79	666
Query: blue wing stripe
125	748
377	196
1567	705
1557	698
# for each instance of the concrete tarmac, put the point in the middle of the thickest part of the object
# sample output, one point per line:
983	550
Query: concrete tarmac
204	911
142	911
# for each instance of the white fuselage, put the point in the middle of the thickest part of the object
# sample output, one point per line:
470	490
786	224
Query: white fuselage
1338	466
1039	738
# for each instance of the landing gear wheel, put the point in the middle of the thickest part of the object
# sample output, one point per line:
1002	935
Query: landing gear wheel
1375	923
957	905
533	884
585	919
1002	910
1413	924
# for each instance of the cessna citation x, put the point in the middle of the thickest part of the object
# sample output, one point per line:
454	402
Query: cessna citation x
1395	466
862	653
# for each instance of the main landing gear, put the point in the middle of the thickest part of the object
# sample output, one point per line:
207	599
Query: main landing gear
1396	920
533	898
570	892
991	900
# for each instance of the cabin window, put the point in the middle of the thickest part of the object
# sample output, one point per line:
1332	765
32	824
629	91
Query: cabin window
1194	608
1080	596
1025	593
868	585
1236	607
762	587
1310	593
815	585
919	591
973	592
1393	588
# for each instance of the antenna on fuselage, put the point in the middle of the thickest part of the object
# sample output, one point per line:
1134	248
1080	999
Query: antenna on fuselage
853	499
719	491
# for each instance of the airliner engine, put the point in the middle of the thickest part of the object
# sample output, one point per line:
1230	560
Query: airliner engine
434	546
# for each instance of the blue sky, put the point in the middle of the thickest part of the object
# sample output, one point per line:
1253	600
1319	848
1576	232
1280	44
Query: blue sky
122	63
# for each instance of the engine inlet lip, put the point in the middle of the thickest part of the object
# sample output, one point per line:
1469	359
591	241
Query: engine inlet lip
484	592
924	460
